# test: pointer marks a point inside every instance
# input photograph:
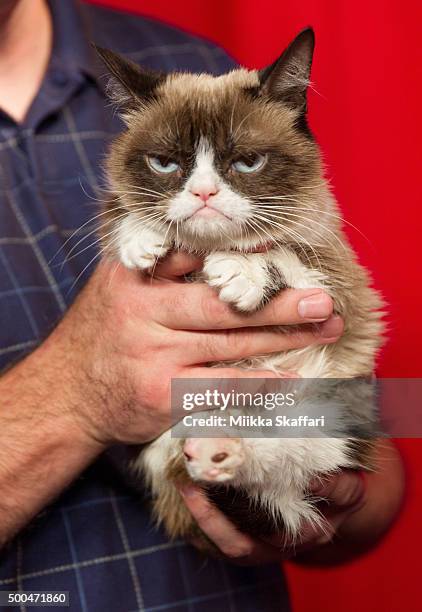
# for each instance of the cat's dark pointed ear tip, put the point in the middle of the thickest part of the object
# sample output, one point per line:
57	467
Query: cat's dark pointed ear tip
308	30
307	34
102	52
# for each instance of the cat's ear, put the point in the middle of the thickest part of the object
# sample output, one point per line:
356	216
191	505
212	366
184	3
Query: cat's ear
130	86
287	79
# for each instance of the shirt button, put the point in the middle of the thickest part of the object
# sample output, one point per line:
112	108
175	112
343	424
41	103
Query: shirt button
59	78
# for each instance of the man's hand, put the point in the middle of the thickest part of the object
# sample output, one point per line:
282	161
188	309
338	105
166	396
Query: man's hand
127	336
358	510
103	375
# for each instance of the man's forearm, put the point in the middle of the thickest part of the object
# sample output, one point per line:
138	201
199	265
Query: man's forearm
42	447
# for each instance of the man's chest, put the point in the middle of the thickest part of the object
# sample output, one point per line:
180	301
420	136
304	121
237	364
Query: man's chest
49	196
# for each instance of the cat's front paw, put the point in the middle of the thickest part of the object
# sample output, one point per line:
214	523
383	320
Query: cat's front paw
239	279
213	459
141	249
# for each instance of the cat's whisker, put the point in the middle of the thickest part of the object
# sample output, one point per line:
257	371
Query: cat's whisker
243	230
128	200
97	227
274	206
91	220
113	274
138	187
150	223
236	132
138	207
153	223
283	207
91	244
310	186
254	228
84	270
301	242
232	117
318	211
298	239
69	256
250	230
139	193
279	225
121	195
309	226
153	210
114	219
153	216
254	221
162	245
315	185
109	211
158	216
271	196
97	190
97	200
286	226
258	229
229	238
177	128
131	202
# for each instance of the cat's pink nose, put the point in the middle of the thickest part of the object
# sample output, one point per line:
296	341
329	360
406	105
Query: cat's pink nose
204	194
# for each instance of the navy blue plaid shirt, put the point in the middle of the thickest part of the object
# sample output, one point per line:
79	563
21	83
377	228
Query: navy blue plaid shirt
97	540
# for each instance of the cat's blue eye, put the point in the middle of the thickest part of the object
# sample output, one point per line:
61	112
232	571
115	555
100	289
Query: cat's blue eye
163	165
249	163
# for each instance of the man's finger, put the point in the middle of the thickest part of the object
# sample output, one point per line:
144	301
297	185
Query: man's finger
198	307
237	546
343	491
310	534
243	343
344	494
176	265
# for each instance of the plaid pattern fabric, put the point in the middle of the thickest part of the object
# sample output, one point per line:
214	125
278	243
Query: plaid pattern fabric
97	541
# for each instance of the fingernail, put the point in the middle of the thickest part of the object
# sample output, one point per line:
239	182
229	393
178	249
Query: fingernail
332	328
187	491
317	307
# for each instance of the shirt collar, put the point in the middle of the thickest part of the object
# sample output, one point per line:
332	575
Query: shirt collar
72	52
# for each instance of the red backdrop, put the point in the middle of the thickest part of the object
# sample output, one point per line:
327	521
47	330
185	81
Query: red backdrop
367	72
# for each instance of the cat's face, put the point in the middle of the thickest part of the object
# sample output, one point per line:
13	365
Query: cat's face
217	161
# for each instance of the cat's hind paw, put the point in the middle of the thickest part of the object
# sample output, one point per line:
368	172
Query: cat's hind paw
213	459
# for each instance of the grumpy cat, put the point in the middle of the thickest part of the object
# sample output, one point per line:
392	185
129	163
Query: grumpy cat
227	167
